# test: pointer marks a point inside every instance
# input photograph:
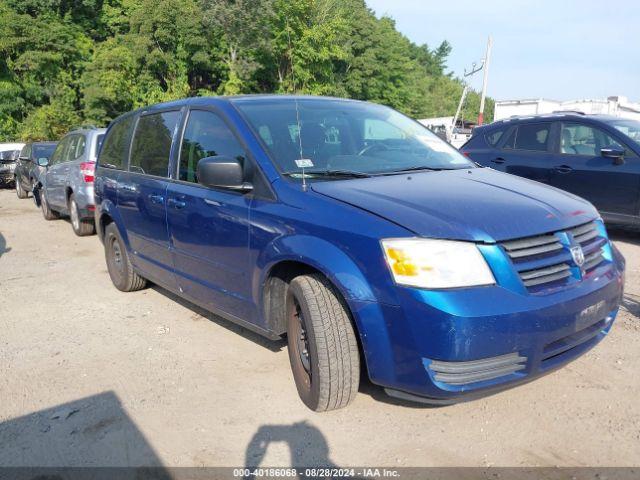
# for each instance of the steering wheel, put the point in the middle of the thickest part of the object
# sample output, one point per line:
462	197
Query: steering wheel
375	146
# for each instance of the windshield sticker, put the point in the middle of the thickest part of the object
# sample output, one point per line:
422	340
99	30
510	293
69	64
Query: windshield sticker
304	163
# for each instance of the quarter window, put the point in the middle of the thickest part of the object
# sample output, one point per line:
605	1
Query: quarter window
116	145
579	139
151	147
494	137
206	135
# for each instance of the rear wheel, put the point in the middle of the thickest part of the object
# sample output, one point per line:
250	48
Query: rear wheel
118	264
20	192
47	213
323	350
81	227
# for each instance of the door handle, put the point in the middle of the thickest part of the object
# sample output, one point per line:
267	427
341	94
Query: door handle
498	160
175	203
128	187
563	169
156	198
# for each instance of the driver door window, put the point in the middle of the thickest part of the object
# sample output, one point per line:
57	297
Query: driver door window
206	135
579	139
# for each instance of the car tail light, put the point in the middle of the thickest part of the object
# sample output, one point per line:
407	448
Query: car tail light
88	169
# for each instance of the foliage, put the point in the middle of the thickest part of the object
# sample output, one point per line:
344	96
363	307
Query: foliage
65	62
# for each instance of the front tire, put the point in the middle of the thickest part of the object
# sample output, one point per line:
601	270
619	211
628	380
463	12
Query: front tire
20	192
81	227
323	350
118	263
47	213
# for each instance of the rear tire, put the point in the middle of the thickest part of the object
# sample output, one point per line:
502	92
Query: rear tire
323	350
47	213
81	227
20	192
118	264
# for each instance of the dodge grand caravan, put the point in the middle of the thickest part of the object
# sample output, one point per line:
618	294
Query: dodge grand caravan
360	235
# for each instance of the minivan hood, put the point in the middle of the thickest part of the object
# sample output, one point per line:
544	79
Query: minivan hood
477	204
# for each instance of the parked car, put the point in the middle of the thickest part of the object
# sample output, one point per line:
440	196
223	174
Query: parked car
8	155
360	235
27	172
66	187
594	156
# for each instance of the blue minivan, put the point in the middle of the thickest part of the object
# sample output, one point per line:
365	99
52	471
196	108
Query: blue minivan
594	156
369	242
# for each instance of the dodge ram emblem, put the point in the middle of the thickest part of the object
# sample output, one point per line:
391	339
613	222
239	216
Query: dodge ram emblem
577	254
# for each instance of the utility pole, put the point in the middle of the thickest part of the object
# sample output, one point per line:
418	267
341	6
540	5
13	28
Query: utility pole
474	69
485	79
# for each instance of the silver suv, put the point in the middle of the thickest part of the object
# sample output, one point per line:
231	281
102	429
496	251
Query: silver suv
66	188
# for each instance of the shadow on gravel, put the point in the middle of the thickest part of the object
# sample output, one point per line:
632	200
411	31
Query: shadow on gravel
90	432
3	245
631	303
306	443
273	345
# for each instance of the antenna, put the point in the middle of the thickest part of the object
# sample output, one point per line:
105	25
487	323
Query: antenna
293	78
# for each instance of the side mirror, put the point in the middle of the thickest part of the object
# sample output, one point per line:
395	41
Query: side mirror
614	153
43	162
222	172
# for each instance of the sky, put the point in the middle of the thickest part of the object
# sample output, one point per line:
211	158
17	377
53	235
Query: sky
557	49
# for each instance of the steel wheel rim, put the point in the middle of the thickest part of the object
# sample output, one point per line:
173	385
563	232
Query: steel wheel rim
75	221
302	339
117	255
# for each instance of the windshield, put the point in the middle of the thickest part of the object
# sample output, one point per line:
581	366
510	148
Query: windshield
631	128
9	154
343	137
43	151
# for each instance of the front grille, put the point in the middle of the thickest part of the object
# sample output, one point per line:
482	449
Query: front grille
538	276
463	373
574	340
544	261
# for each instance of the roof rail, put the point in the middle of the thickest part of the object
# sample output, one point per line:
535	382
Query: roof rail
87	126
577	112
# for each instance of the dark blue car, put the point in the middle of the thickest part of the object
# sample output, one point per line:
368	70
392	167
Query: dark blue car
368	241
594	156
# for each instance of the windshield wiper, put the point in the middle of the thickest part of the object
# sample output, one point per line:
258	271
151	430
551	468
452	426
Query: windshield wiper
330	173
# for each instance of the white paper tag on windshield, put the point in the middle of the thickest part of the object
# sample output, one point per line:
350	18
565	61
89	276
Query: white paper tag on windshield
304	163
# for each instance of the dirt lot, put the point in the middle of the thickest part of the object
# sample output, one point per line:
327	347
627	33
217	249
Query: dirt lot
93	376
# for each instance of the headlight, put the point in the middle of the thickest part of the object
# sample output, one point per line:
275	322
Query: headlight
429	263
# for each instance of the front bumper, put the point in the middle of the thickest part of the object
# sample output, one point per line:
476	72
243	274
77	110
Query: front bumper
447	346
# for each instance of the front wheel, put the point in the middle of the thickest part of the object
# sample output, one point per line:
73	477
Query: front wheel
323	350
20	192
47	213
81	227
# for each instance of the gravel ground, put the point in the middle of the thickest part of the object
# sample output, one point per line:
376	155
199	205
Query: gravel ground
93	376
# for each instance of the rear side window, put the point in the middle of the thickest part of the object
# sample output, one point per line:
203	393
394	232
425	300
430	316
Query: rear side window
206	135
116	146
151	147
532	137
494	136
